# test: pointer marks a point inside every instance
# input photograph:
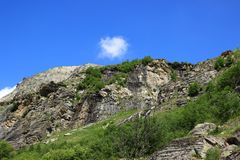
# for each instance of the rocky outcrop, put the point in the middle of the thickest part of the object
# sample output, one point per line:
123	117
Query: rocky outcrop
50	102
197	145
233	156
32	84
175	93
187	148
203	129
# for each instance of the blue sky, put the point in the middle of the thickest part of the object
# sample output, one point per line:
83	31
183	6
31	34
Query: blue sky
41	34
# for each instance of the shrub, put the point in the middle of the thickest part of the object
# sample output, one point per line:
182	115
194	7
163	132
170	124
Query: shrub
213	154
225	104
128	66
174	76
6	150
230	78
92	81
135	139
146	60
229	61
194	89
219	64
94	72
60	154
178	65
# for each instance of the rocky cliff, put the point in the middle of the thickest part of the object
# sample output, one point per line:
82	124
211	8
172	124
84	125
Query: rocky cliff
52	101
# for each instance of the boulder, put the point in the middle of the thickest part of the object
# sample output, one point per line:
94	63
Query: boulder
228	150
233	156
188	148
203	129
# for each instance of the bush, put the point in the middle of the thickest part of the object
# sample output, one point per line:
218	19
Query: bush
135	139
174	76
6	150
94	72
146	60
92	81
60	154
128	66
229	61
230	78
178	65
194	89
219	64
225	104
213	154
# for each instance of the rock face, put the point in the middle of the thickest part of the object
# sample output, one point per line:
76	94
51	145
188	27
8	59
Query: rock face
32	84
48	102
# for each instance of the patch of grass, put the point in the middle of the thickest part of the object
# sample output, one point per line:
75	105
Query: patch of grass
6	150
213	154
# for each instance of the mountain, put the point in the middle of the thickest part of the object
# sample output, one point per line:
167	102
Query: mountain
64	102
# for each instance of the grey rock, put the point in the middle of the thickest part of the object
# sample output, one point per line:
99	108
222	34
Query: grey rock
187	148
203	129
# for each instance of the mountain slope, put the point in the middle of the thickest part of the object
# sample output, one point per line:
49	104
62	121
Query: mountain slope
89	94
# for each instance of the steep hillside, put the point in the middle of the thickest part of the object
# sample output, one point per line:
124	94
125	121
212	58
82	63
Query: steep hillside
67	98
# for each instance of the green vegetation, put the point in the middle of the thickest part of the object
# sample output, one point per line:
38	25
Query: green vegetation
178	65
146	60
128	66
227	61
194	89
174	76
219	64
213	154
135	139
230	78
92	81
6	150
84	143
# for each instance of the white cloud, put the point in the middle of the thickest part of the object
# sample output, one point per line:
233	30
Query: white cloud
5	91
113	47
